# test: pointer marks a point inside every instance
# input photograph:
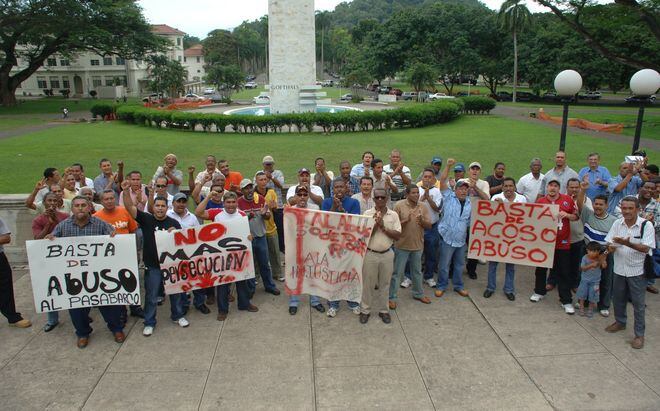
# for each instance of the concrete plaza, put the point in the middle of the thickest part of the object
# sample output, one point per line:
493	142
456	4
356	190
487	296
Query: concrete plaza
456	353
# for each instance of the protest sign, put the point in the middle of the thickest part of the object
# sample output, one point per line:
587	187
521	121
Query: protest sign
324	253
519	233
77	272
205	256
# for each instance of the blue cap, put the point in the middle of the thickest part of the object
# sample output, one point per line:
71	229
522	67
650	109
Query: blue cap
436	160
459	167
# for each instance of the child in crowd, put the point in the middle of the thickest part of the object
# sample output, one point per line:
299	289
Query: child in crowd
589	288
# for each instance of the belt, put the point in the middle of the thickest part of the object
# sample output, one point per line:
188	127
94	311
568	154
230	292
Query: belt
378	252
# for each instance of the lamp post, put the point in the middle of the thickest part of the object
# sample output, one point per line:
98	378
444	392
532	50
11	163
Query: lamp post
643	84
567	84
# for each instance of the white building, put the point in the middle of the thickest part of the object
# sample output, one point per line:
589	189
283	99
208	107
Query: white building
87	71
193	61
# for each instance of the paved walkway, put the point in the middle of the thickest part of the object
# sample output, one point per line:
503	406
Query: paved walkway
457	353
53	120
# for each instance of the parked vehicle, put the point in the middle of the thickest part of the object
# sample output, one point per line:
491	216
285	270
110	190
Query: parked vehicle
525	96
251	84
502	96
328	83
193	97
384	89
250	77
550	96
209	90
590	95
637	99
261	99
439	96
346	98
409	95
396	91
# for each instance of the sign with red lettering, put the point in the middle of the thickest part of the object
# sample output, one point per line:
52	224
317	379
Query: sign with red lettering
205	256
518	233
324	253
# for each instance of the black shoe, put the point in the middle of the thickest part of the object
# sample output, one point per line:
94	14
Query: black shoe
273	291
137	312
293	310
385	317
364	318
203	309
488	294
510	296
472	275
49	327
319	307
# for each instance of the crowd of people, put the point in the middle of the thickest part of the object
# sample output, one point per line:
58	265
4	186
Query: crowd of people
605	252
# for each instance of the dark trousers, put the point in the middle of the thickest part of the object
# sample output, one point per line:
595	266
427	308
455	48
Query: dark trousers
110	313
278	216
577	252
471	265
242	295
7	304
635	289
431	251
561	271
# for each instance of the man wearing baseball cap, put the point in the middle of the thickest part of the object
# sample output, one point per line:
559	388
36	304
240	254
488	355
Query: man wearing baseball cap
459	173
477	190
436	164
315	193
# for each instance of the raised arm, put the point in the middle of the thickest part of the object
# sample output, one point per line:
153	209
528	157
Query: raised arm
444	183
29	202
191	178
128	200
200	210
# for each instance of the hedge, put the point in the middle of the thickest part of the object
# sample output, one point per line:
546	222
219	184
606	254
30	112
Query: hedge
478	104
419	115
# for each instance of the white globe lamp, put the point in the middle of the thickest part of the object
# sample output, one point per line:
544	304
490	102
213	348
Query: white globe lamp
568	83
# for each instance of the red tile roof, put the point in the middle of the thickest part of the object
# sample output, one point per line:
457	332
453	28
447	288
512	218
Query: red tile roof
194	51
165	29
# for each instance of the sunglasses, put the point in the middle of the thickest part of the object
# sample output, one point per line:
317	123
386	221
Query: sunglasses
379	197
160	186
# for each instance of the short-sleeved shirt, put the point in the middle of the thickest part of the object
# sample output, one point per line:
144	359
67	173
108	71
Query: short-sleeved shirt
140	206
577	226
412	234
600	173
627	261
365	203
455	220
171	187
3	230
518	199
353	185
219	215
101	182
66	207
252	208
94	226
529	186
562	176
42	221
234	178
279	176
119	218
631	189
596	228
324	183
481	185
592	274
310	203
397	180
379	241
358	171
494	181
149	225
270	197
200	178
436	196
187	220
350	205
567	205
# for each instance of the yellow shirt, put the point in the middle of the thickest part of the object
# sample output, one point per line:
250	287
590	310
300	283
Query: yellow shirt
270	197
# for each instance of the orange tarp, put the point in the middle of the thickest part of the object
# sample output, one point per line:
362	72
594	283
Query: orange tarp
581	123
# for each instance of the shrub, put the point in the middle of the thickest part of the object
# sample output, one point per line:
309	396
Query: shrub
477	104
102	109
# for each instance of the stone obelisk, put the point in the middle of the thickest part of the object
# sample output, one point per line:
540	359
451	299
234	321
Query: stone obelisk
291	56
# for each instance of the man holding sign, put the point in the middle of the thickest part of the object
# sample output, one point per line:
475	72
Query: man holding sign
81	223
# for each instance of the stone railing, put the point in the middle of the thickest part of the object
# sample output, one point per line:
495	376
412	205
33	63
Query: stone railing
19	220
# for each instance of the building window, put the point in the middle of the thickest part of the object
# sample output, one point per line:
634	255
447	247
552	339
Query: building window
64	62
107	61
178	41
41	82
51	62
120	61
94	62
198	58
199	71
65	82
178	58
123	81
96	81
185	59
54	82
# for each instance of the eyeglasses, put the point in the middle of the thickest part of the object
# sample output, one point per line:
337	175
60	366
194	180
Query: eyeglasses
161	185
303	195
379	197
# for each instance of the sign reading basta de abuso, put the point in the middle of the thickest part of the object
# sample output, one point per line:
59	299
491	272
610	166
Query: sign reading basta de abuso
518	233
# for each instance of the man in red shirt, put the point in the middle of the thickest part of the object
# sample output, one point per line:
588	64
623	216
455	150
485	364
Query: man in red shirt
561	267
232	178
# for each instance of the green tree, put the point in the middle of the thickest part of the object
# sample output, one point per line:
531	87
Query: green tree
166	75
226	77
514	17
220	48
323	20
34	30
421	76
189	41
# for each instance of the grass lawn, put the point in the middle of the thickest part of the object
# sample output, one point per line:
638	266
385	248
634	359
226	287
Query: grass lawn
483	138
650	126
53	105
11	123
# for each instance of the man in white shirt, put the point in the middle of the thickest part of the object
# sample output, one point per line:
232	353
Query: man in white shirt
365	196
630	239
399	173
79	174
315	192
210	170
530	184
508	195
431	198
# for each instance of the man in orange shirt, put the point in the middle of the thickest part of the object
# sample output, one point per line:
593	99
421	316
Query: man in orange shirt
120	219
232	178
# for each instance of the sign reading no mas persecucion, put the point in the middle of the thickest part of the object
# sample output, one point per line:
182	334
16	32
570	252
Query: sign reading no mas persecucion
205	256
519	233
324	253
77	272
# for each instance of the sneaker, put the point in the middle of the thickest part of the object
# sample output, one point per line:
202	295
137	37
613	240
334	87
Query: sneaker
430	282
406	283
281	279
356	310
332	312
148	330
182	322
569	309
535	298
605	313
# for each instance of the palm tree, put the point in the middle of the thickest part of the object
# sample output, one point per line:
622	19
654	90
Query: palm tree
514	17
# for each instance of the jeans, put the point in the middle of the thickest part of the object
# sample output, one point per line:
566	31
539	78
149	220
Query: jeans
7	304
274	255
656	265
153	280
335	304
431	251
635	288
401	257
606	284
561	270
52	317
110	313
578	250
451	255
294	300
509	277
260	250
242	295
